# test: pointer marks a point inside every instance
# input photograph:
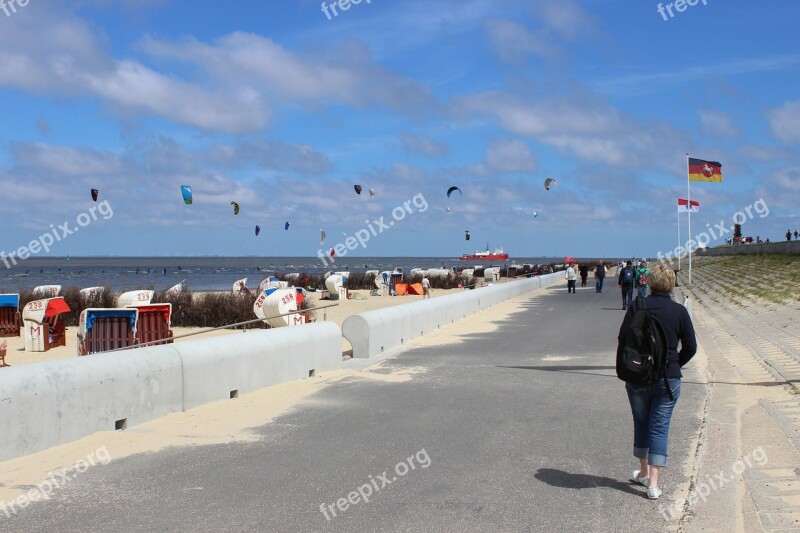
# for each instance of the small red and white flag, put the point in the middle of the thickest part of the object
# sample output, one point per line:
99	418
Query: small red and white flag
684	207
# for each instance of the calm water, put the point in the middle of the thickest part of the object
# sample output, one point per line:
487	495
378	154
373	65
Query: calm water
200	273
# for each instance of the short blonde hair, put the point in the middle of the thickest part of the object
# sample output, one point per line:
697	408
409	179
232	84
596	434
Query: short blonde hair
662	278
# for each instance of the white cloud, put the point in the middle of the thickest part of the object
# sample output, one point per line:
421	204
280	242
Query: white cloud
785	122
716	124
504	156
423	145
589	129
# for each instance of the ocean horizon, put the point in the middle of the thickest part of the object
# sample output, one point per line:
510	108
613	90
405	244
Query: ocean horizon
204	273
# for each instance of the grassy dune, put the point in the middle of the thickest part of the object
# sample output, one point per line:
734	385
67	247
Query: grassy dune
746	279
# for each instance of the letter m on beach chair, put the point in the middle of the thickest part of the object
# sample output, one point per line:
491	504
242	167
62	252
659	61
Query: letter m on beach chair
9	315
101	330
153	324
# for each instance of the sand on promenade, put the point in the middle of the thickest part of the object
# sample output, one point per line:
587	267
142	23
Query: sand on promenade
16	354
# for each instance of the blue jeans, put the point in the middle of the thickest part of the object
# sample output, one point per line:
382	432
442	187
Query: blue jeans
627	295
652	411
642	291
598	285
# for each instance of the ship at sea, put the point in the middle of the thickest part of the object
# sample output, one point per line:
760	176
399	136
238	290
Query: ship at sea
497	255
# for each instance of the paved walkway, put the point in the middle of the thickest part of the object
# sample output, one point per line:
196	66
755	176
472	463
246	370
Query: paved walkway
525	428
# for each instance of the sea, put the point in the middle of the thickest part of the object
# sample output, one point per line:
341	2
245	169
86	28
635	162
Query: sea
202	273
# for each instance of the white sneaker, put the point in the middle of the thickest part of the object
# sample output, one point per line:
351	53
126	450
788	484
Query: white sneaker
653	493
640	480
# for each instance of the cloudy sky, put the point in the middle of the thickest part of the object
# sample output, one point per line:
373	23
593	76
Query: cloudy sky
282	108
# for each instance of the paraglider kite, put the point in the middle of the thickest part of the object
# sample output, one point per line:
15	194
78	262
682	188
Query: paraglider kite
448	210
372	193
466	234
358	189
321	236
258	230
547	183
235	208
186	191
286	226
95	192
453	189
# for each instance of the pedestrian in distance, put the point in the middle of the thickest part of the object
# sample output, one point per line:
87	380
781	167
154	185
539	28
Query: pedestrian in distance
652	405
426	287
584	270
642	280
788	235
599	277
625	282
572	276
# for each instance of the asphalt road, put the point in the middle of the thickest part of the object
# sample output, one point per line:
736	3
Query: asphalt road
523	429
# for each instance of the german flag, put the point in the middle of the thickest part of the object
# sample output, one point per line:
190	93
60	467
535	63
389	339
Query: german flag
700	170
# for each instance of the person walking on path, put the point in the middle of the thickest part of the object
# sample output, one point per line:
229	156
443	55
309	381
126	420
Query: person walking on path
572	277
651	405
642	280
625	282
599	276
584	270
426	287
796	234
788	235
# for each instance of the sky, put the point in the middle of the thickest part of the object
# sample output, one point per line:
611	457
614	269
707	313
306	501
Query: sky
283	108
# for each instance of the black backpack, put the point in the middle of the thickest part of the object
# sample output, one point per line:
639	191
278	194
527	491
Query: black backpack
627	276
642	349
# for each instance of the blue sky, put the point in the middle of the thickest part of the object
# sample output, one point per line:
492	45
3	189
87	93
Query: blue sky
281	109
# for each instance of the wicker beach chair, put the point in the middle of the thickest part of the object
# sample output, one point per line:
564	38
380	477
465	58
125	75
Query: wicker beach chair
153	324
43	323
101	330
9	315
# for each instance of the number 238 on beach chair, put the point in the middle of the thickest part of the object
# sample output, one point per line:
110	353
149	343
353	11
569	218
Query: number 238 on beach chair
9	315
101	330
44	325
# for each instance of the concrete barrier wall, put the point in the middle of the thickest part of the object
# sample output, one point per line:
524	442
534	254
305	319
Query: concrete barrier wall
50	403
382	330
213	368
45	404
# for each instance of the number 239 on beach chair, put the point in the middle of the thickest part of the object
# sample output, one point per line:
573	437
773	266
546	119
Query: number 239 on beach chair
44	324
101	330
9	315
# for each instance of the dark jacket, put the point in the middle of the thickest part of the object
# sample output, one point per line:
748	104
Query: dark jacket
677	326
600	271
621	279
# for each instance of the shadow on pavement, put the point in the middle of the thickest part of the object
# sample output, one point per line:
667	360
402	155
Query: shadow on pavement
582	370
559	478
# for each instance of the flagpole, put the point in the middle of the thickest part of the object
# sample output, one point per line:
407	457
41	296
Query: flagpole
679	236
689	206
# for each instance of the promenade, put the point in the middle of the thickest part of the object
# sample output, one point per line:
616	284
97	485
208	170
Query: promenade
509	420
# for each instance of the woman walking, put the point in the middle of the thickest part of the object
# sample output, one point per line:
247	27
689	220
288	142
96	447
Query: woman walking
571	276
651	405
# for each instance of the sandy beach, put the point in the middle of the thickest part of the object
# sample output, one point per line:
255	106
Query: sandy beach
360	301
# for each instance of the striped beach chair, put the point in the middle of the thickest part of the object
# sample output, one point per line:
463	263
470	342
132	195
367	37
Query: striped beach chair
101	330
9	315
153	323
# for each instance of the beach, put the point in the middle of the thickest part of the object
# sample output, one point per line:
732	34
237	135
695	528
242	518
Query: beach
334	310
